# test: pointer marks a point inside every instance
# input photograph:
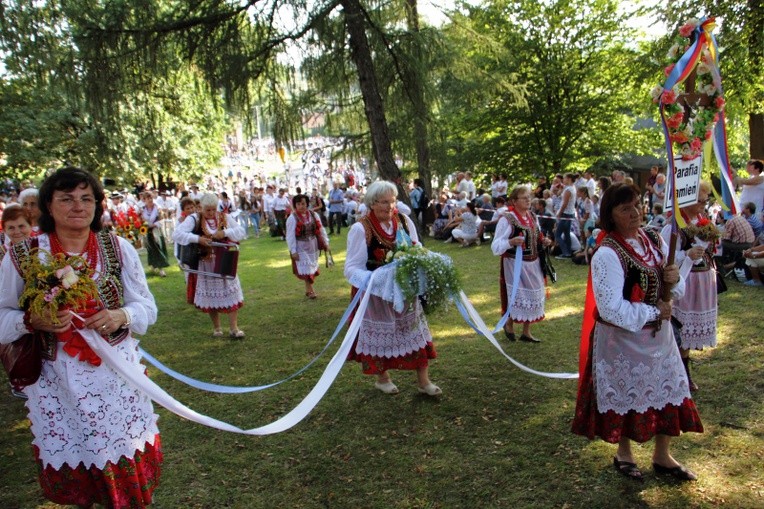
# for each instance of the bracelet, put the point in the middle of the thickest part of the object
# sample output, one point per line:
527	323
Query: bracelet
125	325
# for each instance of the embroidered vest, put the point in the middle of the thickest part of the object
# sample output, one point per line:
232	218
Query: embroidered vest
109	283
305	230
377	246
641	278
685	242
531	233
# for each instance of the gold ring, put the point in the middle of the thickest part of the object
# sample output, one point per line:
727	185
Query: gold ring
103	327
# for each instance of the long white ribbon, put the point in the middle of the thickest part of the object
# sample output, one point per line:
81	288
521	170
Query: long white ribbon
134	374
479	325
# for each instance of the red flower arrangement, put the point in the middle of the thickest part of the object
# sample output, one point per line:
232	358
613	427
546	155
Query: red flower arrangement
130	225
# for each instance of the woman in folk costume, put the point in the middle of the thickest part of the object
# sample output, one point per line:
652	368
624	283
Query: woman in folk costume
156	249
95	436
213	295
519	229
695	313
306	238
632	385
387	339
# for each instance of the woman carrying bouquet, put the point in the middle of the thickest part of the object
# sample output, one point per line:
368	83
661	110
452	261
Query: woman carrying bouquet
517	231
213	295
694	314
103	445
387	339
306	238
157	250
632	385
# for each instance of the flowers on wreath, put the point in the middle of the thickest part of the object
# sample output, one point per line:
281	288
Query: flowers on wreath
130	225
688	136
419	268
60	282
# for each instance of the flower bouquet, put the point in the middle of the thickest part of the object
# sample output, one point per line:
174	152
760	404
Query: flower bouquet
704	230
419	268
130	226
59	283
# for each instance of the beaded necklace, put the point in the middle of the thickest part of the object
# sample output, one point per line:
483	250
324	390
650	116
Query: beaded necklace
90	253
219	223
648	259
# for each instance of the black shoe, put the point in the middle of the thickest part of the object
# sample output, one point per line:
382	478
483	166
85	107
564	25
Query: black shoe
529	339
510	335
680	473
630	470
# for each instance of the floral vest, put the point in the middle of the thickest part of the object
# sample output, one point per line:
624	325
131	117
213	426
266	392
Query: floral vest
377	244
109	283
642	283
532	237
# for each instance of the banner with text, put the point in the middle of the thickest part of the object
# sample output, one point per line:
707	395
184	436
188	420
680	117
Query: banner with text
687	182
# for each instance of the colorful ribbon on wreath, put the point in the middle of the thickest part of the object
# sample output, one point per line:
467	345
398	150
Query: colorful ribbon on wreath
680	72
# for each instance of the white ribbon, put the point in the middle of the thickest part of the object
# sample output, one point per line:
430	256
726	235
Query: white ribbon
480	326
134	374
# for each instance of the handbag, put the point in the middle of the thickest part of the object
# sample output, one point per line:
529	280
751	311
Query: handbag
189	254
22	359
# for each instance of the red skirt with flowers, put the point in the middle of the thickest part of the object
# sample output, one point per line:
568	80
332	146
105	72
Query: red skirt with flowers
611	427
128	483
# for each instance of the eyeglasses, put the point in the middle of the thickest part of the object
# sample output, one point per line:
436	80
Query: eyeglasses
69	201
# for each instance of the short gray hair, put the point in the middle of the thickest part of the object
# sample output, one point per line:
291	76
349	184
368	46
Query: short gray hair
208	200
26	193
377	190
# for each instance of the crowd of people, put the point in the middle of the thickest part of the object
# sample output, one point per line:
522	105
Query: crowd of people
641	309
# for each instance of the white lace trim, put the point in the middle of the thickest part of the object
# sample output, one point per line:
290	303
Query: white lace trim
216	293
386	333
636	371
309	255
83	413
698	328
531	294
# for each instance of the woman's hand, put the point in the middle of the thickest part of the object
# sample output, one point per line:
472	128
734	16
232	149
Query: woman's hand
205	241
106	321
665	310
45	322
218	235
547	241
517	241
695	253
671	274
295	256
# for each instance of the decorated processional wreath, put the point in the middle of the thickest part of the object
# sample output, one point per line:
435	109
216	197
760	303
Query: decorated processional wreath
689	129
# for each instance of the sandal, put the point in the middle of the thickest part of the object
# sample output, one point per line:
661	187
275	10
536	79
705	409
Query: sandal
680	473
217	333
386	387
431	390
237	334
630	470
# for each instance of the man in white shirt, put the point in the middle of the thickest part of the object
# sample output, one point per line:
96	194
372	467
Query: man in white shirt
268	204
471	190
565	217
280	206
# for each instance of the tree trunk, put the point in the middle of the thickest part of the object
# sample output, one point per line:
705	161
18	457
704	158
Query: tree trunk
372	100
421	112
756	49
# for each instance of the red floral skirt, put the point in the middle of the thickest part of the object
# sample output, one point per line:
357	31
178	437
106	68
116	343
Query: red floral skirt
611	427
377	365
128	483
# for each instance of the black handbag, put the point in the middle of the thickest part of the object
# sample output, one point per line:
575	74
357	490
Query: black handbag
189	254
547	269
22	360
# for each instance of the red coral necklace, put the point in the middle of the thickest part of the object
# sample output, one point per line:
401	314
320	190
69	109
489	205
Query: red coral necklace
90	253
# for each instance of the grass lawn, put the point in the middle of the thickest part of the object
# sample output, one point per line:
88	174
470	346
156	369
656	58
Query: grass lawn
497	438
